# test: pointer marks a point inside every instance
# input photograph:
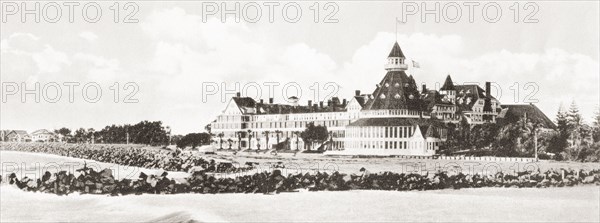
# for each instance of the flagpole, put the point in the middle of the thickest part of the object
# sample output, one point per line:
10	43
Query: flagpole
396	23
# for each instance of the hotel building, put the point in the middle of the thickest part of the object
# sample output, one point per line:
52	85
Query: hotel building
397	118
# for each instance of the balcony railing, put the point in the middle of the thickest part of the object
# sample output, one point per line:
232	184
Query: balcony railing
400	113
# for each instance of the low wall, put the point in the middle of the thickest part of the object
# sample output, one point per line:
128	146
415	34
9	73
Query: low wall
441	157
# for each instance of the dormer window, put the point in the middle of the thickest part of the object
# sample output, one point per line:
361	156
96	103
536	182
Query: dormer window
397	85
397	96
382	96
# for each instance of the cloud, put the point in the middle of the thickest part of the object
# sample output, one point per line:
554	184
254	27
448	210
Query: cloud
50	60
193	51
89	36
25	46
99	69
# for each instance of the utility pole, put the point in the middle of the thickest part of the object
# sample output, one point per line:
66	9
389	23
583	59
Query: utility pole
127	133
169	134
93	136
535	143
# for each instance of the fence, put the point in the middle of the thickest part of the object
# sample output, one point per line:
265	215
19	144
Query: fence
489	158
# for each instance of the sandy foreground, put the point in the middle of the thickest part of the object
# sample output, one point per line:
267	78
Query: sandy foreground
578	204
575	204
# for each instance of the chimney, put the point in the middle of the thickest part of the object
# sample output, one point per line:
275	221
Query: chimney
261	101
270	100
330	105
315	108
424	89
488	94
357	93
344	103
321	104
238	94
310	103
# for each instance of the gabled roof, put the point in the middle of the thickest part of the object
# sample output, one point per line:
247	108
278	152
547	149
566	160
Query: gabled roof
429	131
464	92
448	85
395	91
18	132
472	91
361	99
433	98
396	51
244	102
41	131
512	114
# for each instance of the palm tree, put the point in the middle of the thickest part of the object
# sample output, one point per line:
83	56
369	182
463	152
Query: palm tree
229	141
278	133
168	130
297	133
220	135
239	135
266	134
249	138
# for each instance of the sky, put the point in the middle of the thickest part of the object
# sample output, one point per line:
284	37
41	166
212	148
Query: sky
180	64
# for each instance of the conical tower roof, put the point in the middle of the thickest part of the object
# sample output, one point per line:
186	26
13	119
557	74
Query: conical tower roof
448	84
395	91
396	51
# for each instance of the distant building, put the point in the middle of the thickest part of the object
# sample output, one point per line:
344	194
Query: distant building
43	135
512	114
18	136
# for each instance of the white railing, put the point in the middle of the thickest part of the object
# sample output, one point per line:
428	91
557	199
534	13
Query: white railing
394	113
489	158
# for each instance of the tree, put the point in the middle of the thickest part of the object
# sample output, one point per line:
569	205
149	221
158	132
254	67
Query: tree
64	132
278	134
240	135
596	133
518	139
176	138
558	142
458	137
220	135
574	118
229	141
208	127
266	134
483	135
194	140
578	132
297	133
80	135
249	138
314	134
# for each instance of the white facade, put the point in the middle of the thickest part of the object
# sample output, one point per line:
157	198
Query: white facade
397	119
